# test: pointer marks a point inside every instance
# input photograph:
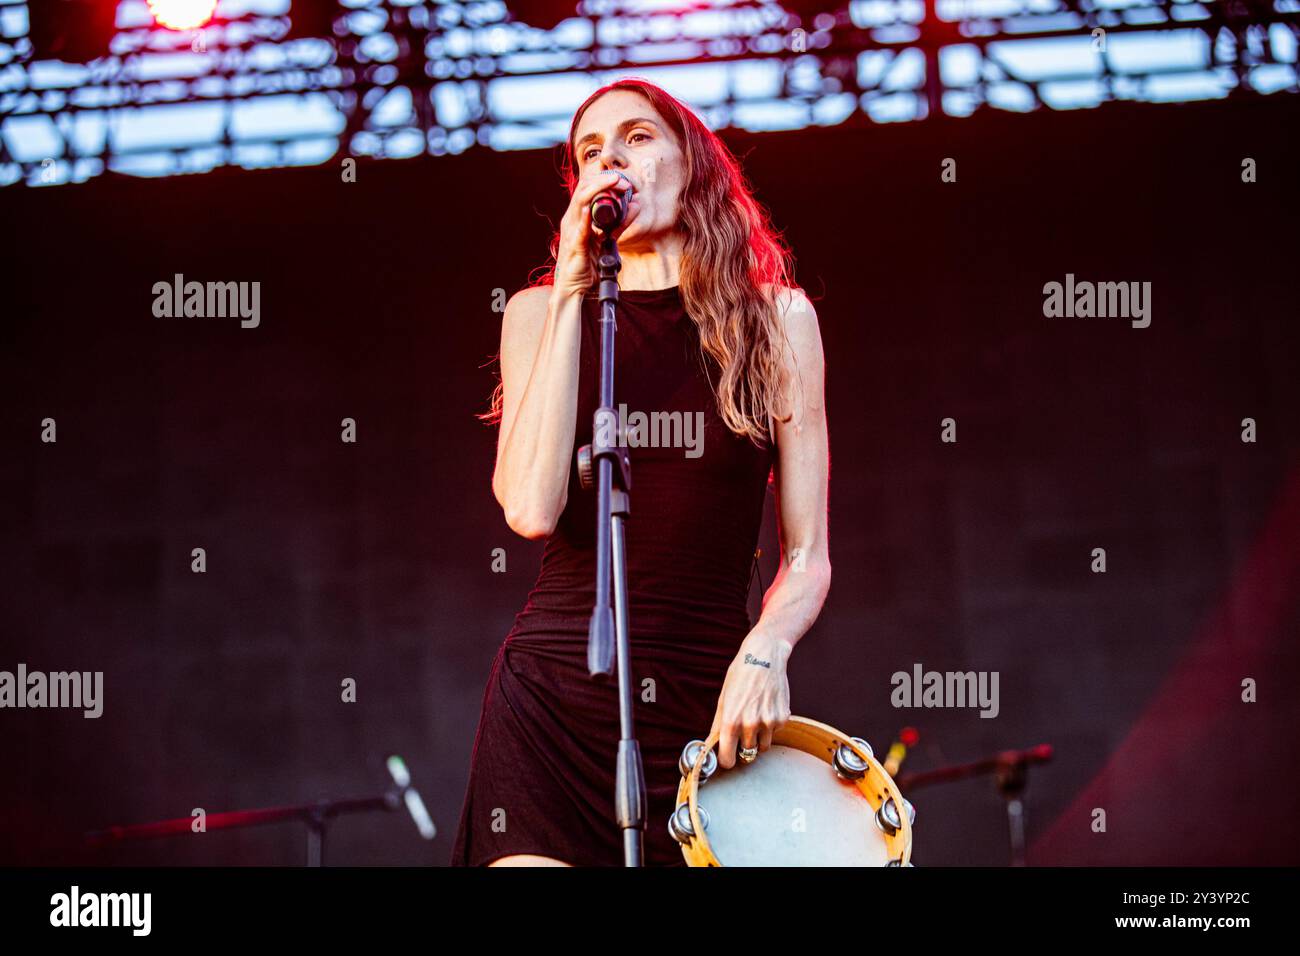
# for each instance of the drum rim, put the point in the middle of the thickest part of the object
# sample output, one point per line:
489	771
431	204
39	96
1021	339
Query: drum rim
690	786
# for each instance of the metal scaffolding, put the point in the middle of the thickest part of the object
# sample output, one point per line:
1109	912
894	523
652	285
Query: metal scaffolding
404	78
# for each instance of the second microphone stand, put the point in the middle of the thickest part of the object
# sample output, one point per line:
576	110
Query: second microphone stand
613	480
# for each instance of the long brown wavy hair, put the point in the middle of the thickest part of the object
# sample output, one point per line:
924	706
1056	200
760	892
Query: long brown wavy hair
735	266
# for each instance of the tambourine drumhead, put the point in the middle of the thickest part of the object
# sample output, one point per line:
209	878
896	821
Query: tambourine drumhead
790	808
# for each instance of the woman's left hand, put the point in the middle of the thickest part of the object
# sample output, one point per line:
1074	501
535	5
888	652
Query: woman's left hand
755	698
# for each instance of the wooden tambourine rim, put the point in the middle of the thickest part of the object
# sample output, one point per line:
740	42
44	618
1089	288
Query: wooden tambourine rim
800	733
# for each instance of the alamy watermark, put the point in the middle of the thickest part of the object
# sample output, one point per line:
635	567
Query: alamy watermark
1101	300
923	688
654	430
75	908
36	689
208	300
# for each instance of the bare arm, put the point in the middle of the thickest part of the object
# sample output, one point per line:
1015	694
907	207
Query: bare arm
792	603
540	341
755	698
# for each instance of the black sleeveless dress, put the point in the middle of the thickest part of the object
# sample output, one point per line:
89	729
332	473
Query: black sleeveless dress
542	773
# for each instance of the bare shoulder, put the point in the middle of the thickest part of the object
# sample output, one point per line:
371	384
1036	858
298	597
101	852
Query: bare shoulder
527	304
524	319
798	317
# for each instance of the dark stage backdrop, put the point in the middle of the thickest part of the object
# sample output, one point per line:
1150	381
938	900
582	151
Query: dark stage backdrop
373	561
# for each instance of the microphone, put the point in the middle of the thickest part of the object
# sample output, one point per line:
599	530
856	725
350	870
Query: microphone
411	797
609	208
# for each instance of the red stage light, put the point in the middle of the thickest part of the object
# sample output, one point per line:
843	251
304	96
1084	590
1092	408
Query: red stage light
182	14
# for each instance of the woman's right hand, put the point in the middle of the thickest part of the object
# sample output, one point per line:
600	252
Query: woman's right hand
574	268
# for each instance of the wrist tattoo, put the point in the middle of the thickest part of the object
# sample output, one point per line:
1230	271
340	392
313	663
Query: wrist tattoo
751	659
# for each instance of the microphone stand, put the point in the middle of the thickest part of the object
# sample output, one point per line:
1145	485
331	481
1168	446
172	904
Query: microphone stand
315	815
1012	776
613	479
1010	770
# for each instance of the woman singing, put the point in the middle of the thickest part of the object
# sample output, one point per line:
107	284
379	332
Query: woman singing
710	326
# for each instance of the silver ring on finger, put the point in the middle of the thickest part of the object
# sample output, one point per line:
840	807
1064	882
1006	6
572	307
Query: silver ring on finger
748	754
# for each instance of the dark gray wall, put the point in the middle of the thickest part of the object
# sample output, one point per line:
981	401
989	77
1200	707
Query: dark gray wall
372	560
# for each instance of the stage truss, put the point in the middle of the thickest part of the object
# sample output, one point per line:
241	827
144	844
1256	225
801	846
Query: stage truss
407	78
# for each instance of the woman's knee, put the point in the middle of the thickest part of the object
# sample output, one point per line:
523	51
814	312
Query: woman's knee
527	859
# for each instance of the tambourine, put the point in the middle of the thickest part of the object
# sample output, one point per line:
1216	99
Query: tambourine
816	797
